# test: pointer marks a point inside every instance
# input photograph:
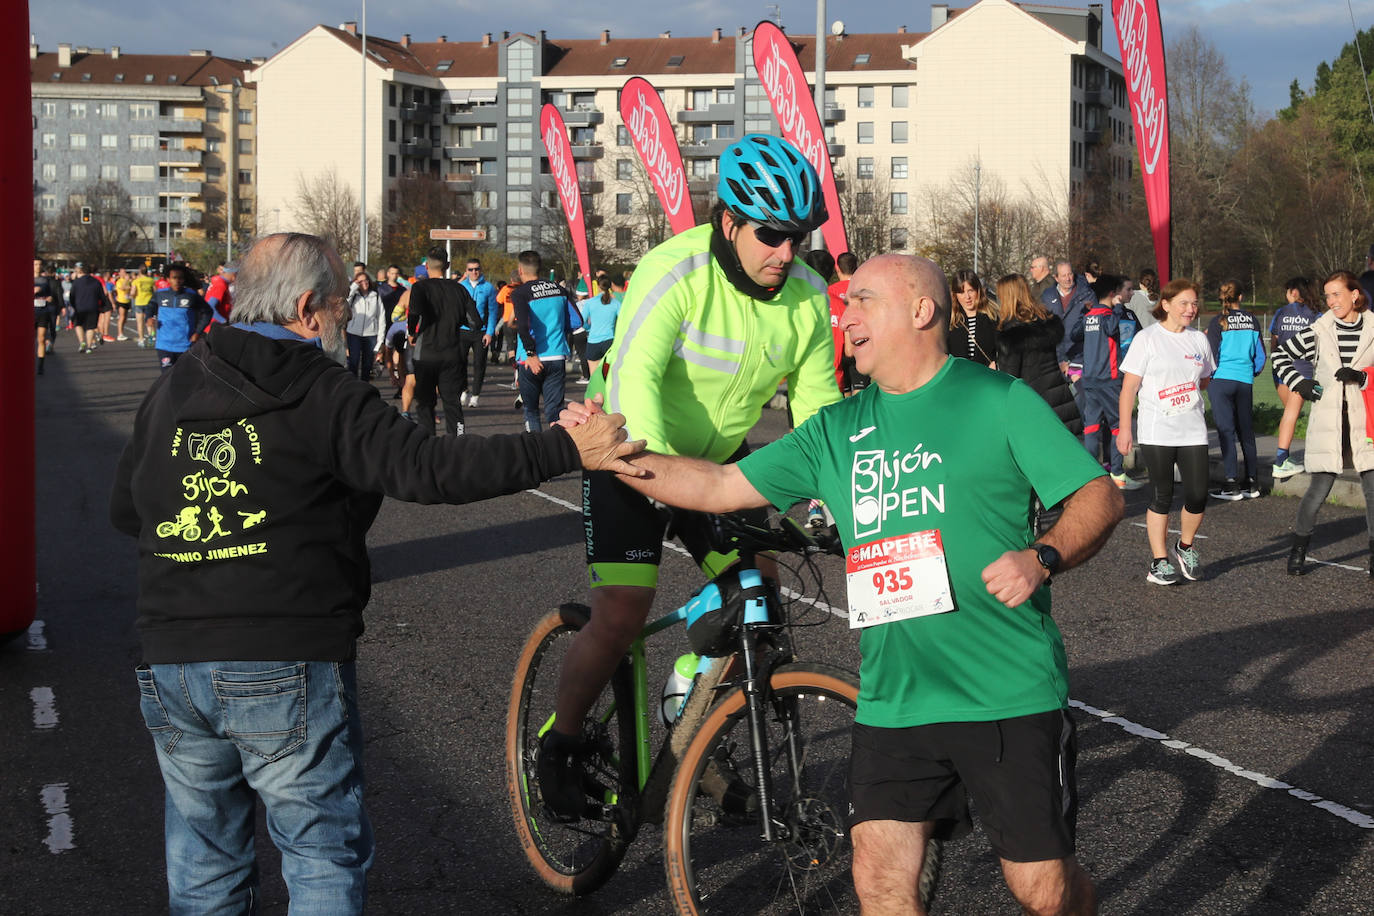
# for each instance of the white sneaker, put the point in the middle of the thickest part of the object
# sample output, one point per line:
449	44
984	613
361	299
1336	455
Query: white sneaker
463	399
472	401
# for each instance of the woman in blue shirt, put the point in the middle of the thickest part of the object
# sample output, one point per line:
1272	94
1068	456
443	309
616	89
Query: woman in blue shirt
1239	352
602	312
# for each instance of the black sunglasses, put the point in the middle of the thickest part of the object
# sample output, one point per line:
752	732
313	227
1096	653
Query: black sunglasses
773	238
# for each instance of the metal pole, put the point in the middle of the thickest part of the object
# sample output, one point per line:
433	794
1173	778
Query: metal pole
362	197
168	184
232	177
977	207
817	236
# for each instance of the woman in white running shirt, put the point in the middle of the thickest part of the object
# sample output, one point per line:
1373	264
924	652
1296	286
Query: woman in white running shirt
1169	365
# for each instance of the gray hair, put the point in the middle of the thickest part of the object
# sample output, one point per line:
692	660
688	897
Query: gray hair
1065	262
277	269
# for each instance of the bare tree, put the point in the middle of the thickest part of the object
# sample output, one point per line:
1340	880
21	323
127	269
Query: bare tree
646	219
422	202
114	229
327	206
875	219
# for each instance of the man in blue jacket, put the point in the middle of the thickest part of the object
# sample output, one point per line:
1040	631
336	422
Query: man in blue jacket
475	341
1069	298
542	316
180	313
1102	335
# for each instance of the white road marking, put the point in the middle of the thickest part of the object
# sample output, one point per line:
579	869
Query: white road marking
37	641
1310	558
1358	818
44	707
54	798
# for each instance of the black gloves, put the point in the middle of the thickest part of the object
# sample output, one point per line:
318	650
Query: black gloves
1349	376
1309	390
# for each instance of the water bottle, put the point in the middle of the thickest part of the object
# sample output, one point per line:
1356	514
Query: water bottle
676	687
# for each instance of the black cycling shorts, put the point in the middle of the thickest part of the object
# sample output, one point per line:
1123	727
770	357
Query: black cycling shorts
625	531
1020	771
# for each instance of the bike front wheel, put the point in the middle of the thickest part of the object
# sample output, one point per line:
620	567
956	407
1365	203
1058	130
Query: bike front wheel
574	858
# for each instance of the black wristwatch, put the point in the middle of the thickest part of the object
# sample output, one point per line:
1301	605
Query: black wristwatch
1049	558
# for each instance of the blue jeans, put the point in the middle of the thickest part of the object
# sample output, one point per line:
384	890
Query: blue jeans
1232	411
549	384
287	732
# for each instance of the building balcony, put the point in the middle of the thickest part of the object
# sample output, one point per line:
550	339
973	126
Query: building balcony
1092	135
833	113
587	151
180	156
836	150
422	148
714	113
700	185
594	220
173	215
591	186
165	187
423	113
477	149
463	177
180	125
582	116
706	149
1096	95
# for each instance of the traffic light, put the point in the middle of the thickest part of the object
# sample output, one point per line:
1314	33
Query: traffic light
85	216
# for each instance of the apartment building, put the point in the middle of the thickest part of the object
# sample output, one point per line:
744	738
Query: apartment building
175	133
1022	90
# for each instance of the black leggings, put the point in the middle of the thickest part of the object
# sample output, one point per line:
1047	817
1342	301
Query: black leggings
1192	467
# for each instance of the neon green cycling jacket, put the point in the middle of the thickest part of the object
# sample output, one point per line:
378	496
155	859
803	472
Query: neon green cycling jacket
695	360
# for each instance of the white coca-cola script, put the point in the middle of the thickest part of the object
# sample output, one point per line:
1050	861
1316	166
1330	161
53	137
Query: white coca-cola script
560	160
668	176
1149	101
780	83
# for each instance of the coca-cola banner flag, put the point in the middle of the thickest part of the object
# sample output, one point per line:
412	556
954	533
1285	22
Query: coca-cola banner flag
642	111
555	135
785	84
1142	58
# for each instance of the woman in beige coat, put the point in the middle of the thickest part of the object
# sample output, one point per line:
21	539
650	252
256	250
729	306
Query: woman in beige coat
1340	345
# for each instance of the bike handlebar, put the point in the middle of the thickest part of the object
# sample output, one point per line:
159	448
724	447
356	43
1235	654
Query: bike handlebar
736	533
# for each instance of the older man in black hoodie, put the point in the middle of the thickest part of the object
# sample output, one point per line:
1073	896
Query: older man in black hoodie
257	466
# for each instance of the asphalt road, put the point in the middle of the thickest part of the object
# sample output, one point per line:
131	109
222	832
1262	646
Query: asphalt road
1225	731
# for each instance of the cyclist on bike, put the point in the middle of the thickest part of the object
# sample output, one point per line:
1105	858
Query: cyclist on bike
717	317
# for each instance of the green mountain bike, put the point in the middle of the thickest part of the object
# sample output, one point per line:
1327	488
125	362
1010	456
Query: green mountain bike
750	781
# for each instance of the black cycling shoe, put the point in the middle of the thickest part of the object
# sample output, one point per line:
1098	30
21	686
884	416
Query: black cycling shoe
559	767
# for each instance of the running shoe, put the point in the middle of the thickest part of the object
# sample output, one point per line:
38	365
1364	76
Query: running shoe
1126	483
815	515
1229	492
1287	468
1189	563
121	337
106	338
519	402
1250	490
584	381
472	401
1162	572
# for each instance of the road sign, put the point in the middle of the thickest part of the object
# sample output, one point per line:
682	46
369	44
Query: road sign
458	235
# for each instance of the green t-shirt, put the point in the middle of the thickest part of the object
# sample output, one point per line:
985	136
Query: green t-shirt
965	454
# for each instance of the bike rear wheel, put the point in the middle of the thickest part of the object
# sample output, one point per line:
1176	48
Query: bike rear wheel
570	858
715	857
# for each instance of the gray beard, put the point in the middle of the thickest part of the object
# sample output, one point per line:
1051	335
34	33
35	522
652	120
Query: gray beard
334	344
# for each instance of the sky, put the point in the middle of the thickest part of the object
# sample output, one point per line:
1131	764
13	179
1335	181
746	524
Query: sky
1268	43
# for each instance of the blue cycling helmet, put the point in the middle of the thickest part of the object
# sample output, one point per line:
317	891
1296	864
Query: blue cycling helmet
766	180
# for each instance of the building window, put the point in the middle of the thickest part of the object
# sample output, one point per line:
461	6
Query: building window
898	207
49	109
78	170
624	238
624	170
77	110
142	172
865	96
519	170
486	166
698	99
245	116
50	171
49	202
214	175
109	141
622	135
898	167
107	110
142	141
391	165
520	103
897	238
49	141
865	167
899	96
863	202
519	137
865	131
487	200
78	141
515	209
109	172
245	147
899	131
142	111
245	176
725	130
391	95
701	168
725	96
212	145
831	98
584	136
622	204
142	202
701	133
391	130
520	62
245	207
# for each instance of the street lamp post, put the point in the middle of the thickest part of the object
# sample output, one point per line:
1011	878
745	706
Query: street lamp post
164	206
362	150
